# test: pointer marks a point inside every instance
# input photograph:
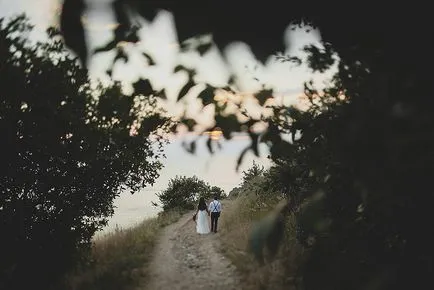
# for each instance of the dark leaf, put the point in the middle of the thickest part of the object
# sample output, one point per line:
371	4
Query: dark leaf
122	19
143	87
190	123
229	89
109	72
249	123
148	58
209	145
244	113
221	107
161	94
207	95
287	58
121	55
190	72
241	157
268	233
185	89
254	143
320	59
124	31
179	68
272	134
132	35
203	48
185	46
228	124
53	32
263	95
190	147
231	80
72	28
108	47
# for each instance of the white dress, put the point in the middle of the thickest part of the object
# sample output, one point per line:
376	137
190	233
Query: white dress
202	223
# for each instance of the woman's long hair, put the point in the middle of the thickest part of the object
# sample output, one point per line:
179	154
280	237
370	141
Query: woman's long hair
202	204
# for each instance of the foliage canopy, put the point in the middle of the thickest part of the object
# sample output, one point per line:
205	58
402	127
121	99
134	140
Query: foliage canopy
67	151
184	192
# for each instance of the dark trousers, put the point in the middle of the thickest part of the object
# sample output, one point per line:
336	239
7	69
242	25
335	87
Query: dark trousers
214	220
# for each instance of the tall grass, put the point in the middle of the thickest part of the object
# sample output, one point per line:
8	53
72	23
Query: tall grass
239	218
118	259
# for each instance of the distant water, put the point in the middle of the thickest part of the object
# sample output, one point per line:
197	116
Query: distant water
217	169
132	209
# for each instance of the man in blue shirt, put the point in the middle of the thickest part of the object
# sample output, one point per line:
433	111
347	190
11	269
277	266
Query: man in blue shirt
215	207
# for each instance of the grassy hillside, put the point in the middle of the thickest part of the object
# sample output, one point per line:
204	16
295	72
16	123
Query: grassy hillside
240	216
118	259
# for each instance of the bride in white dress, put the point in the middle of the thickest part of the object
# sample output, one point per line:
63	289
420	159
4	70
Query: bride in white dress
202	214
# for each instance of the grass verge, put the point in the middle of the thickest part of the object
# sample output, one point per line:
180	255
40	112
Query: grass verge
118	259
278	273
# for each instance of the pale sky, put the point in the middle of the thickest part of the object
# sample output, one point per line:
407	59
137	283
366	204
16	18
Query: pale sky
161	42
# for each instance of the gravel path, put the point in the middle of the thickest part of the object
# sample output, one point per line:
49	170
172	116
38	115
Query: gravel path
184	259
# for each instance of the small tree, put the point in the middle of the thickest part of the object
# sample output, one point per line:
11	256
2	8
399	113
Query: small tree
252	172
184	192
216	191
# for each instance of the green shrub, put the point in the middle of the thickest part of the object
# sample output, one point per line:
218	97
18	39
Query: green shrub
184	192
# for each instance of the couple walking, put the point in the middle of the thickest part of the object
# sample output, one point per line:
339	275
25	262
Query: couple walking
203	211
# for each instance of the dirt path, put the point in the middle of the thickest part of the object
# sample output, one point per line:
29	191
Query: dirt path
184	259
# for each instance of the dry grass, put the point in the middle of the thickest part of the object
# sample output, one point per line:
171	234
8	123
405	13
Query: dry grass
118	259
239	217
